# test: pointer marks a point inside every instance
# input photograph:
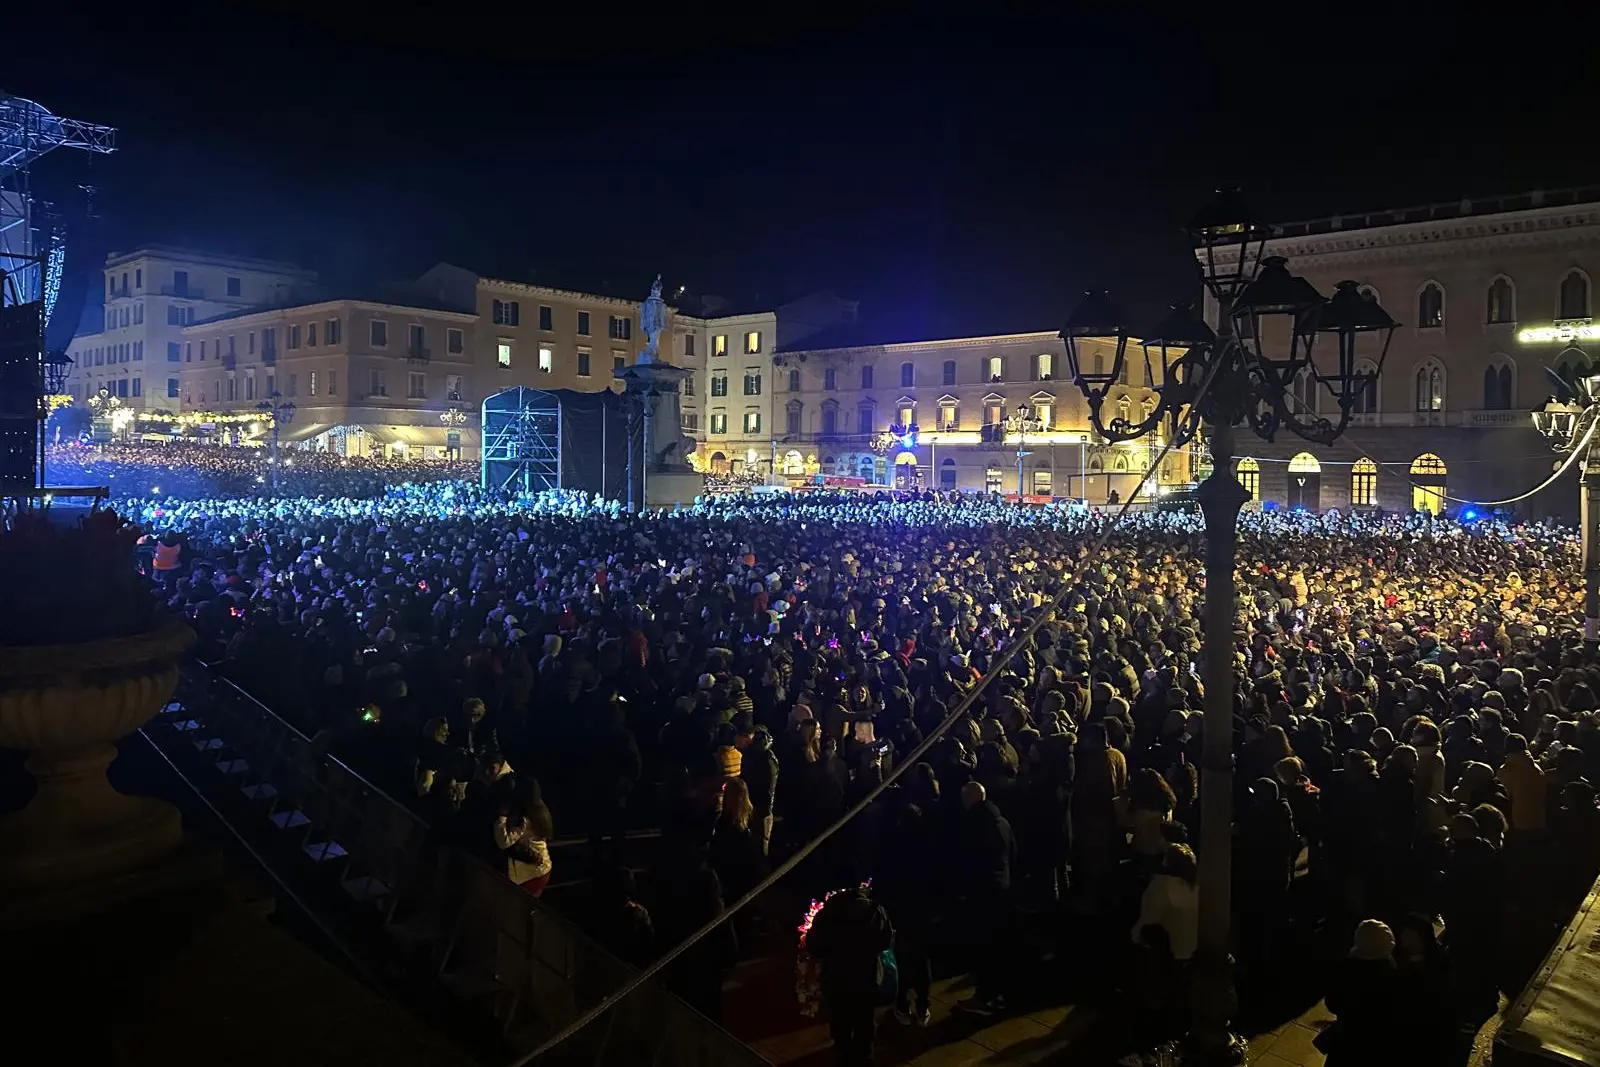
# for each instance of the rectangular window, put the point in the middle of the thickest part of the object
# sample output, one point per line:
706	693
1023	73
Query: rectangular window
583	363
583	324
1044	366
719	385
333	383
249	386
138	278
250	343
138	386
269	341
794	381
180	283
417	338
455	342
174	316
621	328
752	422
452	387
506	313
688	344
335	331
502	353
719	344
203	350
233	389
949	417
691	421
416	386
311	383
547	359
752	342
138	351
619	363
866	376
752	383
830	379
378	387
719	423
291	337
188	351
311	335
294	385
547	317
994	369
230	345
233	287
794	422
378	333
272	385
1364	488
173	355
122	387
688	386
1045	412
172	388
138	314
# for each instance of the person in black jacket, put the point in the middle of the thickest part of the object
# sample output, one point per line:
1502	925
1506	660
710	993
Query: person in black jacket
906	883
988	855
847	939
760	773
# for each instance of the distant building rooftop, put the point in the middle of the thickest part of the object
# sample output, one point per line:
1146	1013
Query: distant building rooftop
404	299
200	255
858	335
1456	209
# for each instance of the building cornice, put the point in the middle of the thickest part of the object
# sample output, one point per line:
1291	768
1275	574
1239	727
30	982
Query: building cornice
989	341
251	318
1551	227
507	285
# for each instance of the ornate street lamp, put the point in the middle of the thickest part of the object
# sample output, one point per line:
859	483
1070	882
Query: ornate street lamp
1214	379
1022	423
453	419
57	368
281	412
1569	425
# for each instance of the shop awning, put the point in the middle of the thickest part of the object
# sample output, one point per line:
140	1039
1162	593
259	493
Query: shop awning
303	431
420	436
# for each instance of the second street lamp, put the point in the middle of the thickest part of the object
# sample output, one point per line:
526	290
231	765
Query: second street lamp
281	412
1211	381
1570	425
1022	424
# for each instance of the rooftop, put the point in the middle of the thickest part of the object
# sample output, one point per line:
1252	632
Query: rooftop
202	256
392	298
863	335
1455	209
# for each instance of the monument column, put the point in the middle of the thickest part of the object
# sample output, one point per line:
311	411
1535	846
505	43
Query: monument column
653	386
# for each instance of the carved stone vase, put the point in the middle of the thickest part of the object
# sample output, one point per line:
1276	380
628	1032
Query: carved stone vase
68	706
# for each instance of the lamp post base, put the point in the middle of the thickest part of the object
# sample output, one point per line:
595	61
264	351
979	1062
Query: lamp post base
1211	1041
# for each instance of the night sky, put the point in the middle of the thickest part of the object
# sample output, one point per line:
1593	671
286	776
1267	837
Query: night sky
955	179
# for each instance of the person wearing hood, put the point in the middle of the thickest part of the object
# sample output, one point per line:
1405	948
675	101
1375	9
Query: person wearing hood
1368	1027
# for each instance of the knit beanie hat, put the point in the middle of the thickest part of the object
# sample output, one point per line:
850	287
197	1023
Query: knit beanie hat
1373	941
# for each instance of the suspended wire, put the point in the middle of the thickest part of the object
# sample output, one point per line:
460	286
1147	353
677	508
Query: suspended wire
915	756
1438	491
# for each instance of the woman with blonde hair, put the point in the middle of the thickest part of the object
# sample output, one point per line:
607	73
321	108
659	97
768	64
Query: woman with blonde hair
735	852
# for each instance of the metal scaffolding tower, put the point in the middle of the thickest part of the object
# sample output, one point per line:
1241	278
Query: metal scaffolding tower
522	440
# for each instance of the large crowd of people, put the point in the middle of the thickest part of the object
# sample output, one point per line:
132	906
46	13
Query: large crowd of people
1414	721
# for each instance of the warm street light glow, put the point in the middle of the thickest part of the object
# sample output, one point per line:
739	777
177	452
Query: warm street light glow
1564	333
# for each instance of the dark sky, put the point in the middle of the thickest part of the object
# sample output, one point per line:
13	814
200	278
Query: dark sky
954	178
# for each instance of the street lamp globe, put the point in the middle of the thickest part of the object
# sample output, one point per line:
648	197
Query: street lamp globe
1226	223
1273	302
1353	321
57	367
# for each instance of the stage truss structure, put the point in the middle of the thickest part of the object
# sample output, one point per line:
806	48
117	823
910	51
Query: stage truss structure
522	441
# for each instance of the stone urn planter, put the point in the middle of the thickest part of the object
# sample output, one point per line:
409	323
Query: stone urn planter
87	656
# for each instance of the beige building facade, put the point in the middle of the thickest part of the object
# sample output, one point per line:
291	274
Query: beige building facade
151	296
366	377
848	412
1491	296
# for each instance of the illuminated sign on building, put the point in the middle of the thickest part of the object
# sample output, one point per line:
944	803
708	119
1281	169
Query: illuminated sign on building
1565	331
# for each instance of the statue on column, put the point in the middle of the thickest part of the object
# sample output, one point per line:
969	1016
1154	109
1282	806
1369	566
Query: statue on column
652	323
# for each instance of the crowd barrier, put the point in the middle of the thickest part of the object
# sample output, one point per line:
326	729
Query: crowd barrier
435	908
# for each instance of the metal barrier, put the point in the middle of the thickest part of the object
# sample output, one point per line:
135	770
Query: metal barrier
437	908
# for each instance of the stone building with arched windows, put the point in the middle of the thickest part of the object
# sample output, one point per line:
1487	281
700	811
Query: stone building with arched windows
1494	297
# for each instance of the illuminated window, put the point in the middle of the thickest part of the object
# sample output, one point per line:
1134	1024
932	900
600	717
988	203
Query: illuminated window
719	344
906	413
992	478
502	353
1364	483
1045	412
994	412
1502	302
1430	387
1574	302
1427	484
994	369
1043	482
949	415
1430	306
719	422
1249	472
547	359
311	388
452	386
752	422
1044	366
752	342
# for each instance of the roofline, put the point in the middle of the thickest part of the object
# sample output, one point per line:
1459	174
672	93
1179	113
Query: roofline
698	320
214	259
945	342
367	305
546	290
1467	207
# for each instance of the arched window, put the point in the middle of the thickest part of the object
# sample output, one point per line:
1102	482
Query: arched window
1368	293
1304	463
908	375
1366	399
1497	385
1364	483
794	463
947	474
1574	297
1502	301
1430	387
1430	306
1573	367
1100	363
1303	393
1119	462
1249	475
1427	483
1096	465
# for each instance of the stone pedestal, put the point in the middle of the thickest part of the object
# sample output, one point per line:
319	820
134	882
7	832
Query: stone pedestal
667	478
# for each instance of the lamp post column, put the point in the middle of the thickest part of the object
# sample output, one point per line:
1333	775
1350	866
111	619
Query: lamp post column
1022	442
1589	521
275	459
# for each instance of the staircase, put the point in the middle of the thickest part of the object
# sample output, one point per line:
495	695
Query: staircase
432	926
